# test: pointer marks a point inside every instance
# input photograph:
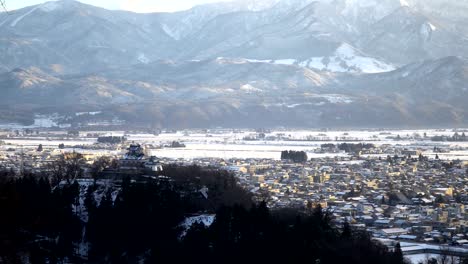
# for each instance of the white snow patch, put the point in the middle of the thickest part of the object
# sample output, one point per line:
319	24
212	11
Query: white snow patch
293	105
404	3
336	98
18	19
114	195
81	209
170	32
285	62
205	219
280	62
88	113
347	59
426	30
143	59
420	258
250	88
258	61
324	99
223	60
304	104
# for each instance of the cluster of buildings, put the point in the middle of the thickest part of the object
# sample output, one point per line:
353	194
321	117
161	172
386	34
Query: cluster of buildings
398	198
20	158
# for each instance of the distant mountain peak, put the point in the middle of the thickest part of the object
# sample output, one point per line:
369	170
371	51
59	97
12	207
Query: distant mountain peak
55	5
404	3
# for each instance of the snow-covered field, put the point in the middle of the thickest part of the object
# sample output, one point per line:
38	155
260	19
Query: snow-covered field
48	142
240	151
421	258
232	144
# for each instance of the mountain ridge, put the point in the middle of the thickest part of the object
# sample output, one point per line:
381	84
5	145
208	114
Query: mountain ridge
240	92
293	63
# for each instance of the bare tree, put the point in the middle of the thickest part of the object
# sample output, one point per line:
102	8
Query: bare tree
56	169
444	257
66	167
75	164
3	5
101	164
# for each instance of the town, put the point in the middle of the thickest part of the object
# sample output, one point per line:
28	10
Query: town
398	192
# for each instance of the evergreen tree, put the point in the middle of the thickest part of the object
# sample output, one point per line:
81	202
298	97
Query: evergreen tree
144	221
398	254
421	157
389	159
346	233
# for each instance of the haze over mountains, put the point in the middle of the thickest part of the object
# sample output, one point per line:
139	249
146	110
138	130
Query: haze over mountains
333	63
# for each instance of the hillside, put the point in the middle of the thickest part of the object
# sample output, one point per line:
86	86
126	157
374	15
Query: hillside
299	63
167	219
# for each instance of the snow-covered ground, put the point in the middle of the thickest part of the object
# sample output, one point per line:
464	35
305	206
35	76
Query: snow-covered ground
345	59
231	144
241	151
205	219
88	113
413	247
48	143
420	258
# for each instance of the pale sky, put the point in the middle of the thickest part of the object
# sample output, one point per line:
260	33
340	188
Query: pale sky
141	6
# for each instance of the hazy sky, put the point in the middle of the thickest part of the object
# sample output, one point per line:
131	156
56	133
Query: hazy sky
132	5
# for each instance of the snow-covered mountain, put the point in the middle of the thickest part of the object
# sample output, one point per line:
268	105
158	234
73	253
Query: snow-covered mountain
70	37
336	62
241	93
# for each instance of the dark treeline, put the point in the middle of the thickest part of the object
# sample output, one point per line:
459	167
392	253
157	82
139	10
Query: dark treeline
35	217
296	156
349	147
456	137
111	140
264	236
142	222
176	144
